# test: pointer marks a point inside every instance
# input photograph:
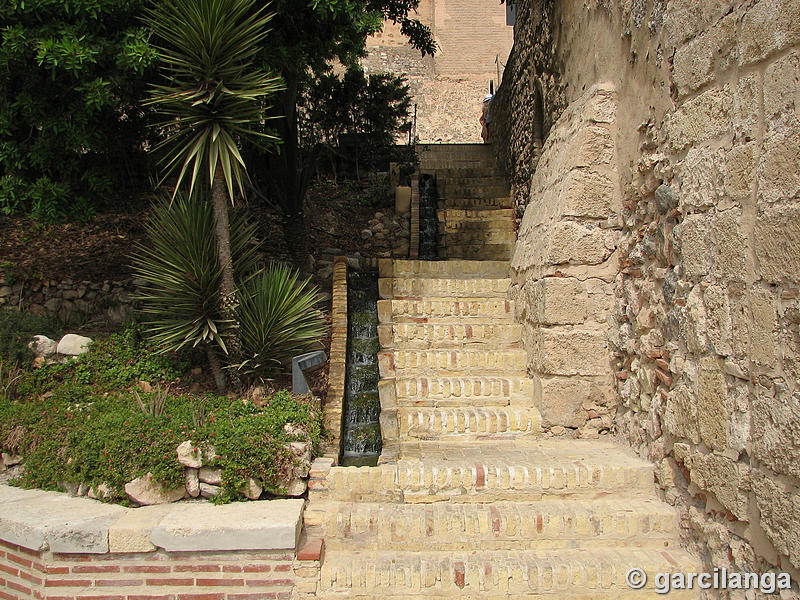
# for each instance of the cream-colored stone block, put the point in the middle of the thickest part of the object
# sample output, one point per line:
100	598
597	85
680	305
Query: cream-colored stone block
768	27
131	533
568	351
712	404
694	63
701	118
715	244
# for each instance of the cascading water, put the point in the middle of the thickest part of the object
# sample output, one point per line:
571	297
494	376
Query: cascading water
428	221
362	432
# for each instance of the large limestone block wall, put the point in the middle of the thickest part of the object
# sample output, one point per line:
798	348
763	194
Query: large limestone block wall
704	329
565	263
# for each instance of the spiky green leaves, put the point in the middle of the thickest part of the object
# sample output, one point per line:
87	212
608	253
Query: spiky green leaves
277	319
180	300
213	97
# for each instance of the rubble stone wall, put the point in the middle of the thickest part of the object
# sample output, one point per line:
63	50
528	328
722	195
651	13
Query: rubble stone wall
702	331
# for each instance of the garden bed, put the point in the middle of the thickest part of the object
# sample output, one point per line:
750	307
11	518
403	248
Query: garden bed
124	424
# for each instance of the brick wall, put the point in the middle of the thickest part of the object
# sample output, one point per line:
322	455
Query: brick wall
26	574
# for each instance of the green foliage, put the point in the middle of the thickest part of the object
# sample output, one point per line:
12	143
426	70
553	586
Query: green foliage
178	261
277	319
77	434
369	112
211	98
72	76
119	361
16	330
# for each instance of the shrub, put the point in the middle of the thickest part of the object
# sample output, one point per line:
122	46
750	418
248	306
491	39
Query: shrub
71	123
277	319
180	301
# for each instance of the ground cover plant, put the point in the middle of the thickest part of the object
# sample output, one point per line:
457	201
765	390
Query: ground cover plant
89	422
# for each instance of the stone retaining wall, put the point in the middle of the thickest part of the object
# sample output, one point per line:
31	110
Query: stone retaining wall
703	329
71	301
56	547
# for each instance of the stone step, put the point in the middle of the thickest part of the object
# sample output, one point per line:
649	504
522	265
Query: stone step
467	423
399	288
474	172
472	190
409	336
453	215
452	362
463	269
559	574
485	203
464	391
476	251
542	525
474	228
444	310
519	470
481	237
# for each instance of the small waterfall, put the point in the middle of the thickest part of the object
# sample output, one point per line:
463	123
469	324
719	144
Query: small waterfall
362	432
428	221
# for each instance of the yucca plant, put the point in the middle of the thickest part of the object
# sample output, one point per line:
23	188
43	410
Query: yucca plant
277	319
178	260
211	101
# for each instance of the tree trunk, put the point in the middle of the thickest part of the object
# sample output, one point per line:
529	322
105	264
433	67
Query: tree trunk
227	288
216	370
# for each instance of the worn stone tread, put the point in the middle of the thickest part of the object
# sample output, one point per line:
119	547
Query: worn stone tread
444	363
551	574
464	391
464	269
445	309
618	520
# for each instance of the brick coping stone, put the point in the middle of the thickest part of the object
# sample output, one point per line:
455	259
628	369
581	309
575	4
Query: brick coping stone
40	520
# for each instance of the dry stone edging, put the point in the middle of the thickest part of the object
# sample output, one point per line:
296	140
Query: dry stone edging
39	520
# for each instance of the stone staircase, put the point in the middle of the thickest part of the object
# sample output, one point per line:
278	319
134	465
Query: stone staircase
469	500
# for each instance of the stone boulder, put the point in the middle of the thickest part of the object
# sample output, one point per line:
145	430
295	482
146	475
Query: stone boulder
211	475
43	346
189	455
73	344
146	491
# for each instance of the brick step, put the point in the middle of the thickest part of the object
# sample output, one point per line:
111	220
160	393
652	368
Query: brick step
523	469
460	423
467	173
444	310
472	190
464	269
542	525
477	251
445	392
409	336
472	228
563	574
462	214
452	362
400	288
481	237
485	203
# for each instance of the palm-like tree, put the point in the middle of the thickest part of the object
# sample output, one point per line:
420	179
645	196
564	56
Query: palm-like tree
211	101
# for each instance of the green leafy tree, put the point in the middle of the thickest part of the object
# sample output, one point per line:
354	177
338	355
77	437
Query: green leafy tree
212	100
72	126
370	110
307	36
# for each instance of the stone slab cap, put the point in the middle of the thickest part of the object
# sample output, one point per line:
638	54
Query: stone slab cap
38	520
268	525
131	533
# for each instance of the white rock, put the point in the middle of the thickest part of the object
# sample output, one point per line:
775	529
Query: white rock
101	491
208	490
296	487
73	344
10	460
253	489
192	483
146	491
209	475
43	346
189	455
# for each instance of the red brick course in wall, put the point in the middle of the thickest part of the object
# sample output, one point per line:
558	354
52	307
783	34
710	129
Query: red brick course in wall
253	575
